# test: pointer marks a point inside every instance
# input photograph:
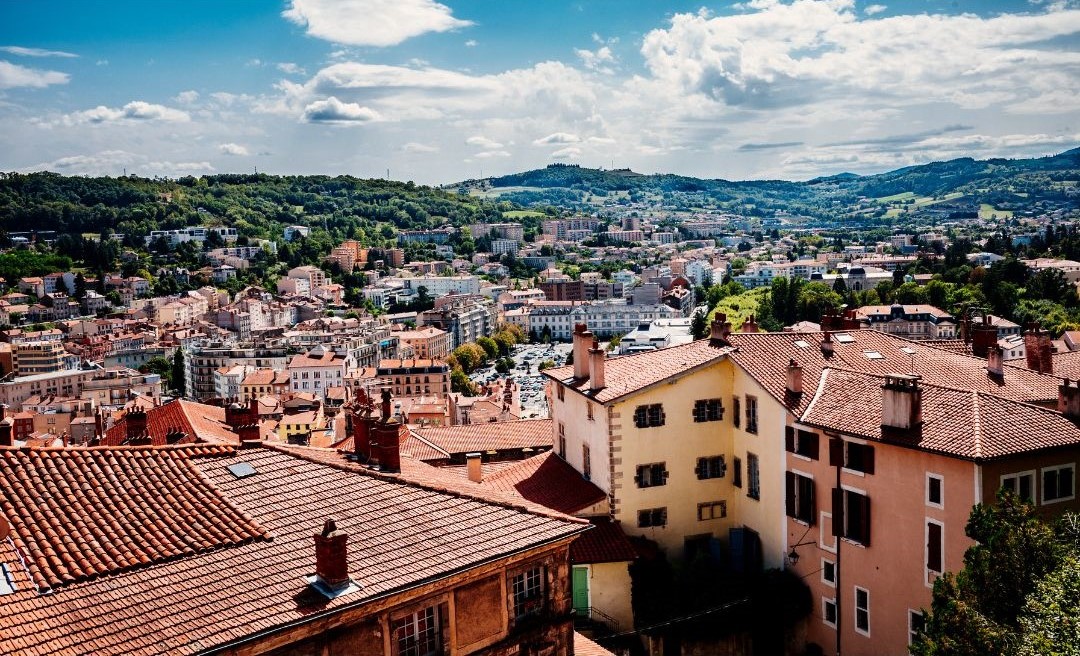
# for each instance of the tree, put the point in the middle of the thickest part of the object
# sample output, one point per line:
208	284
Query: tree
161	367
816	299
61	286
459	382
80	286
178	372
699	326
1051	616
490	346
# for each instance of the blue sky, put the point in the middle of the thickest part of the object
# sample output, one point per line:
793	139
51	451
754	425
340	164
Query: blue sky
437	92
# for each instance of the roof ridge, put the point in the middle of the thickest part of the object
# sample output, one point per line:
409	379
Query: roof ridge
817	393
976	425
431	444
297	452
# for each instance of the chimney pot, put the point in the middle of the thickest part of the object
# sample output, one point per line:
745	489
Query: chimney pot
582	339
901	402
794	378
331	556
1069	399
995	361
474	463
827	345
720	328
596	367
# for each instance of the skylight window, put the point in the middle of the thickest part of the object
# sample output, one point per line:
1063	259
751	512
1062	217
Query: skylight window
908	350
241	470
802	343
844	338
873	355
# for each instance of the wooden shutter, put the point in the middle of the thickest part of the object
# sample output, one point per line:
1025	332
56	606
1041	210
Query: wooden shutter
933	547
699	470
789	439
868	459
812	501
838	512
808	444
836	452
865	538
789	499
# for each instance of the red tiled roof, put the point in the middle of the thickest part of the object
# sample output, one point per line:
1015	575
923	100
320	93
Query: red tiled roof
80	513
550	481
765	357
968	424
605	543
400	535
585	647
201	422
632	373
1066	364
490	436
951	345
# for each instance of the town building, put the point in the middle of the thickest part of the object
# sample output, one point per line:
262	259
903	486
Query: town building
414	377
318	370
428	343
910	321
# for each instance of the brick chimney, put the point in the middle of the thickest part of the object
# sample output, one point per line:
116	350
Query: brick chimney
995	361
794	378
1046	353
983	336
1069	399
361	433
827	344
331	556
582	339
596	367
135	423
720	329
750	325
473	462
901	402
1031	345
7	425
385	444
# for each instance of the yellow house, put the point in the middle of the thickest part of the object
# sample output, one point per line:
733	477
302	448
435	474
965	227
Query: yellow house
297	427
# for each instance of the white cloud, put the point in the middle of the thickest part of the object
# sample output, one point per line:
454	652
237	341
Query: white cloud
599	60
115	162
483	142
471	43
35	52
335	112
414	147
233	149
371	22
487	154
290	68
187	97
557	138
570	152
13	75
136	110
870	10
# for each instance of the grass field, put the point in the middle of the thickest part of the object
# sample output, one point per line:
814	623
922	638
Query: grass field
907	195
986	211
738	308
521	214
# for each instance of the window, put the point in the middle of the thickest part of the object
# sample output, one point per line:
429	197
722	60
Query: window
652	517
1057	483
915	624
935	548
648	416
751	414
800	497
527	589
711	510
589	410
851	456
736	404
417	634
851	515
826	535
651	475
935	492
800	442
560	392
736	477
1022	484
586	462
862	611
828	572
753	477
562	440
828	611
710	467
708	410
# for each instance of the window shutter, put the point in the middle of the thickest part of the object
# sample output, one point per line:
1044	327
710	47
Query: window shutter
809	444
789	499
933	547
699	469
868	459
789	439
637	478
811	502
866	521
664	476
838	512
836	452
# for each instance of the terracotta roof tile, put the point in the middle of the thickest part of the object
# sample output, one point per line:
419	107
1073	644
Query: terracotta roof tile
490	436
605	543
201	422
631	373
586	647
550	481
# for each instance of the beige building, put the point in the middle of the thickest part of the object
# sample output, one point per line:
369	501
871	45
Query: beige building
428	343
415	377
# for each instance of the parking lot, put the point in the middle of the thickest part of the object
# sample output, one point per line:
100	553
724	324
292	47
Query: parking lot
527	357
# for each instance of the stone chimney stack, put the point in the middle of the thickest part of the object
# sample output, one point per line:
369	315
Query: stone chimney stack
1069	399
135	423
983	336
7	427
827	345
1046	353
995	361
794	378
385	444
901	402
331	556
361	432
750	325
473	462
720	329
596	367
582	340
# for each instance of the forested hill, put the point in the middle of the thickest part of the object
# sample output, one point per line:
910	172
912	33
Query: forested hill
257	205
994	181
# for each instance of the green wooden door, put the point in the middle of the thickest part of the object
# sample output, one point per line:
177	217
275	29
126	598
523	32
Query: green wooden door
581	590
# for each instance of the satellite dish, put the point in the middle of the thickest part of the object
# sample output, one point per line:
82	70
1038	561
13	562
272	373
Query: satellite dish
5	528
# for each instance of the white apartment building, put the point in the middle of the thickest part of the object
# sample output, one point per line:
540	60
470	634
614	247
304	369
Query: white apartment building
442	285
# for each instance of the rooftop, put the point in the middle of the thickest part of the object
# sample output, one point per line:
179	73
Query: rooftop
490	436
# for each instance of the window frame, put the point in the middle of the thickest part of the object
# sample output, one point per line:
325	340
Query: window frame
657	517
644	416
711	506
736	475
857	609
822	533
794	498
825	603
863	539
929	573
586	461
911	625
1054	469
405	620
706	410
707	466
1028	473
519	604
940	504
751	414
657	470
736	410
753	476
825	580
